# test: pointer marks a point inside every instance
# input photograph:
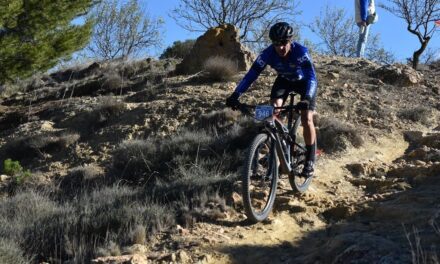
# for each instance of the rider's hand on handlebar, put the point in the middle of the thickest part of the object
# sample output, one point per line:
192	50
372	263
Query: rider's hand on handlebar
303	104
232	101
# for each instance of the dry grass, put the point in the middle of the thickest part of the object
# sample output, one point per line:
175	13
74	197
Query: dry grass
107	108
81	179
11	253
220	68
420	252
419	114
76	229
34	146
334	135
113	82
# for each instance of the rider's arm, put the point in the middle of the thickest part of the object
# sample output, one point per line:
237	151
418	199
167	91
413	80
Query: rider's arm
257	67
306	65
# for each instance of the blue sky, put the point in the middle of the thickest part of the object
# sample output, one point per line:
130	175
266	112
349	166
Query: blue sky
392	29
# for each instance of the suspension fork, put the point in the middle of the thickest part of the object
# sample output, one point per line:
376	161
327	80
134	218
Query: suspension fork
284	163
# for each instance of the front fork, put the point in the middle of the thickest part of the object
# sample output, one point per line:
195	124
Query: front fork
282	150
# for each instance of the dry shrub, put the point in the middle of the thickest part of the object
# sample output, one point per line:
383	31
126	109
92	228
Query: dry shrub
219	119
220	68
35	82
107	108
110	249
334	136
133	69
81	178
206	206
152	159
113	81
74	230
11	253
29	147
135	160
421	251
419	114
138	235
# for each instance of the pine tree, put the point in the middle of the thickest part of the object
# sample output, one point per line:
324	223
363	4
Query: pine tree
36	34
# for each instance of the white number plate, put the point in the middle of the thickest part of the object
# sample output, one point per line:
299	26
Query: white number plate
263	111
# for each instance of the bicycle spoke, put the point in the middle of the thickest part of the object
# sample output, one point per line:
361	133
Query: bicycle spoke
259	182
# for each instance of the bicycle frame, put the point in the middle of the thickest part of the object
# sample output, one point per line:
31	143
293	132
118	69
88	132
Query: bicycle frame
279	133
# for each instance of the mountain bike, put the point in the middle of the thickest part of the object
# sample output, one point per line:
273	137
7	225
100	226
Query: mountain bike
277	148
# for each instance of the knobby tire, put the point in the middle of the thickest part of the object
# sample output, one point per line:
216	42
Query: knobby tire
266	182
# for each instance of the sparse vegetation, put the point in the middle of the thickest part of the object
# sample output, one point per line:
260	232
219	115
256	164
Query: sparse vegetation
33	146
334	136
123	29
14	169
419	114
220	68
178	50
107	108
179	160
50	229
11	253
81	179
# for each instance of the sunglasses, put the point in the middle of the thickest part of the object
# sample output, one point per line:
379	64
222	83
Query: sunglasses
281	42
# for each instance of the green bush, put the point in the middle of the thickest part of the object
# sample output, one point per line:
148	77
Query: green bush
178	50
14	169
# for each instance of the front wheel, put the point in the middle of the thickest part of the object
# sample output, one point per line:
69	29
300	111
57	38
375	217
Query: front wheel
260	176
297	182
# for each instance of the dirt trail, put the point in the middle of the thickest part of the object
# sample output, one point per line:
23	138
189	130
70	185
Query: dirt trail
296	216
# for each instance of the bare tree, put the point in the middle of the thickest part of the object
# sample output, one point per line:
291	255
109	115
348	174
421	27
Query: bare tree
123	30
253	18
430	55
339	36
420	17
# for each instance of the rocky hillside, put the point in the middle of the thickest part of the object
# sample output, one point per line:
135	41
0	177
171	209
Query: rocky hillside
127	163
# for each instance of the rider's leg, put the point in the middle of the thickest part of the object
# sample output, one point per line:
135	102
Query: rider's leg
280	90
309	131
309	134
277	102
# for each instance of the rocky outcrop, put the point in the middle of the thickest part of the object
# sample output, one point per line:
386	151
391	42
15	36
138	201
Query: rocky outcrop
220	41
398	74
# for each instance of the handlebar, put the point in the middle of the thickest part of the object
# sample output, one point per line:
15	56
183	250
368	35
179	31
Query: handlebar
244	108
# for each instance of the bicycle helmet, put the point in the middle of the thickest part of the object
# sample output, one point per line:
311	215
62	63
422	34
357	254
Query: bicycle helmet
281	31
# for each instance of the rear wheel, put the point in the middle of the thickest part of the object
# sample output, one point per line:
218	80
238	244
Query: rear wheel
297	182
260	178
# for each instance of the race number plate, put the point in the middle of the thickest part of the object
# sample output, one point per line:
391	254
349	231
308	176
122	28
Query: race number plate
263	111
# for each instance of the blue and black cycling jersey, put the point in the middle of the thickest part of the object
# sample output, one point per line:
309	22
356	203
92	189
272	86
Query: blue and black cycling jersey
298	66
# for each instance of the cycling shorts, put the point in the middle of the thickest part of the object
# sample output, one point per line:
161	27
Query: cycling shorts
282	87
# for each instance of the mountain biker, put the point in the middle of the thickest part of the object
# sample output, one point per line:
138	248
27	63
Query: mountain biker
296	73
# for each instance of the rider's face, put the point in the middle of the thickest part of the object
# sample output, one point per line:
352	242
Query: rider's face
282	48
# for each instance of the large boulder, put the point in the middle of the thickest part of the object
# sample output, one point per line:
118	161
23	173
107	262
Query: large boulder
398	74
220	41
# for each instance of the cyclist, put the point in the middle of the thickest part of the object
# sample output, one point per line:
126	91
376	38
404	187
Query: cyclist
296	73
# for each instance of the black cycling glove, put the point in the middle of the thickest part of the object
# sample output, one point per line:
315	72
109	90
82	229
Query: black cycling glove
232	101
303	104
